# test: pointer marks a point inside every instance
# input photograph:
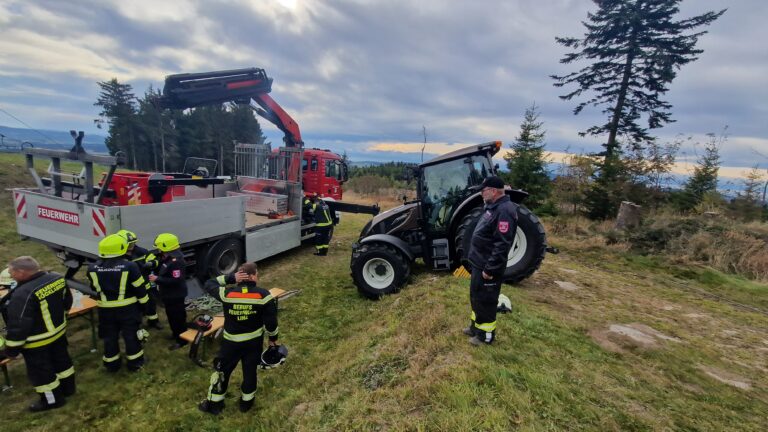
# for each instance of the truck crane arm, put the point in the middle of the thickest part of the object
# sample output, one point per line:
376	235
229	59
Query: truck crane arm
241	86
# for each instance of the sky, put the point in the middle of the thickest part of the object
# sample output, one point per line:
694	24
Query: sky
368	77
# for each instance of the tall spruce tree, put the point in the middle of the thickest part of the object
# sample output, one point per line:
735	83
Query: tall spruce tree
118	107
634	48
527	161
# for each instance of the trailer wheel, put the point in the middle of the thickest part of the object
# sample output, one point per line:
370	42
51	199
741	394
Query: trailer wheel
379	269
527	251
223	257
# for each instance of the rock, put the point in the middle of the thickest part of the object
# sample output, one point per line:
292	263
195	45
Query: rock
727	377
566	286
565	270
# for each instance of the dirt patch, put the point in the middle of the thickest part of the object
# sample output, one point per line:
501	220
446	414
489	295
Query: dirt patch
696	315
619	337
569	271
567	286
727	377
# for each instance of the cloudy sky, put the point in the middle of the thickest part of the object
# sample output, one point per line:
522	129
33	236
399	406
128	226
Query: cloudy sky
365	76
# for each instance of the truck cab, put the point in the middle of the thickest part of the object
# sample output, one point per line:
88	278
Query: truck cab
323	173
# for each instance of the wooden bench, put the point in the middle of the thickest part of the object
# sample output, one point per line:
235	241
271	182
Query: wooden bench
217	326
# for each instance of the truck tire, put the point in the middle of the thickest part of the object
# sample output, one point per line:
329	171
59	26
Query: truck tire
379	269
527	251
223	257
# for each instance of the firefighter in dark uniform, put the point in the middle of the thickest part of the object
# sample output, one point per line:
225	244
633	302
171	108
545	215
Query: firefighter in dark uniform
306	211
489	248
172	284
37	322
323	226
122	295
147	261
249	313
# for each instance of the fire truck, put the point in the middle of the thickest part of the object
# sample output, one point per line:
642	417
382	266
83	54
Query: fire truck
221	221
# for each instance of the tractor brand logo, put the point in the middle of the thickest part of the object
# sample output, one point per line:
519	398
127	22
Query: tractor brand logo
58	215
503	227
99	227
20	203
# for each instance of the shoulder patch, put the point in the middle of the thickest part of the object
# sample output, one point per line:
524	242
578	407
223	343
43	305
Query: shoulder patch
503	227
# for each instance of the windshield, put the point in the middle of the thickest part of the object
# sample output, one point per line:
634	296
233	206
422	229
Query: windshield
445	185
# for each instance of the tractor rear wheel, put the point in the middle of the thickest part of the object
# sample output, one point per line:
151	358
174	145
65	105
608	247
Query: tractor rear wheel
527	251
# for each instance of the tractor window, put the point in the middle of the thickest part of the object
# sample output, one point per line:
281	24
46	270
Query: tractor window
304	164
446	185
313	165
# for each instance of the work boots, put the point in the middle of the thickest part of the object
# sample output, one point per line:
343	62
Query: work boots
468	331
211	407
246	405
44	403
67	386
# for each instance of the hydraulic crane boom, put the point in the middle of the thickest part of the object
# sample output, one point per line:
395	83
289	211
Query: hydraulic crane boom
239	86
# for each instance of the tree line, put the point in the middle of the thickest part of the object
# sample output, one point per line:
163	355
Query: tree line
159	139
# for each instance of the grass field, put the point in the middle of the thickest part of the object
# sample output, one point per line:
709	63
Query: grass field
401	363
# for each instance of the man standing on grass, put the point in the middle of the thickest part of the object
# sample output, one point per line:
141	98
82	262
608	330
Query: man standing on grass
489	248
37	324
249	312
172	283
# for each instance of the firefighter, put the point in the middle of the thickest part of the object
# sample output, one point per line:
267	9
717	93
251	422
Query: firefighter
172	284
306	211
249	313
37	322
122	297
489	248
147	261
323	226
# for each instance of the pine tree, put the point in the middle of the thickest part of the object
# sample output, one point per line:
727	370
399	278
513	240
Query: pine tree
527	161
704	178
118	107
635	48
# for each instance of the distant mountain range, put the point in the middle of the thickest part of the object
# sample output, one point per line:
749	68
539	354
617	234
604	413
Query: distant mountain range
54	139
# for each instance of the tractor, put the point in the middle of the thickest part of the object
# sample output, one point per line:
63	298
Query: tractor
437	226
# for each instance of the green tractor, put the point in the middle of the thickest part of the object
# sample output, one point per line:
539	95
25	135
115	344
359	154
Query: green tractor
438	225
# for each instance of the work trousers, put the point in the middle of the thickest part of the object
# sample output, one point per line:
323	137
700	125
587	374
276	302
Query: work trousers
50	370
150	308
177	316
249	354
484	299
125	321
323	236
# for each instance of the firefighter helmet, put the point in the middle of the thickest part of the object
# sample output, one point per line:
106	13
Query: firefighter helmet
166	242
5	278
505	305
273	356
130	236
113	246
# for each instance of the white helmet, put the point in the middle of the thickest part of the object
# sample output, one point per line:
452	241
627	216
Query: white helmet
505	305
5	278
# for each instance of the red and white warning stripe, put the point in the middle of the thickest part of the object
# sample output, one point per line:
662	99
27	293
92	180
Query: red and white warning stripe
20	203
99	227
134	195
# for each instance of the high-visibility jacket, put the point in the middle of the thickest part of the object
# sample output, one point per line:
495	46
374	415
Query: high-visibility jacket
322	214
146	260
37	312
118	283
249	311
171	275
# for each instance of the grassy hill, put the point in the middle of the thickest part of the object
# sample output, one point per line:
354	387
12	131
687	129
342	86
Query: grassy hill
568	357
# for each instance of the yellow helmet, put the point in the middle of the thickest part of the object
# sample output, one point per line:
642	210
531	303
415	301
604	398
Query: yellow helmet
166	242
113	246
5	278
129	236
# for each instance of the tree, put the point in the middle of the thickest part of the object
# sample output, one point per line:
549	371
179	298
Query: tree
635	48
527	162
574	180
703	181
118	107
